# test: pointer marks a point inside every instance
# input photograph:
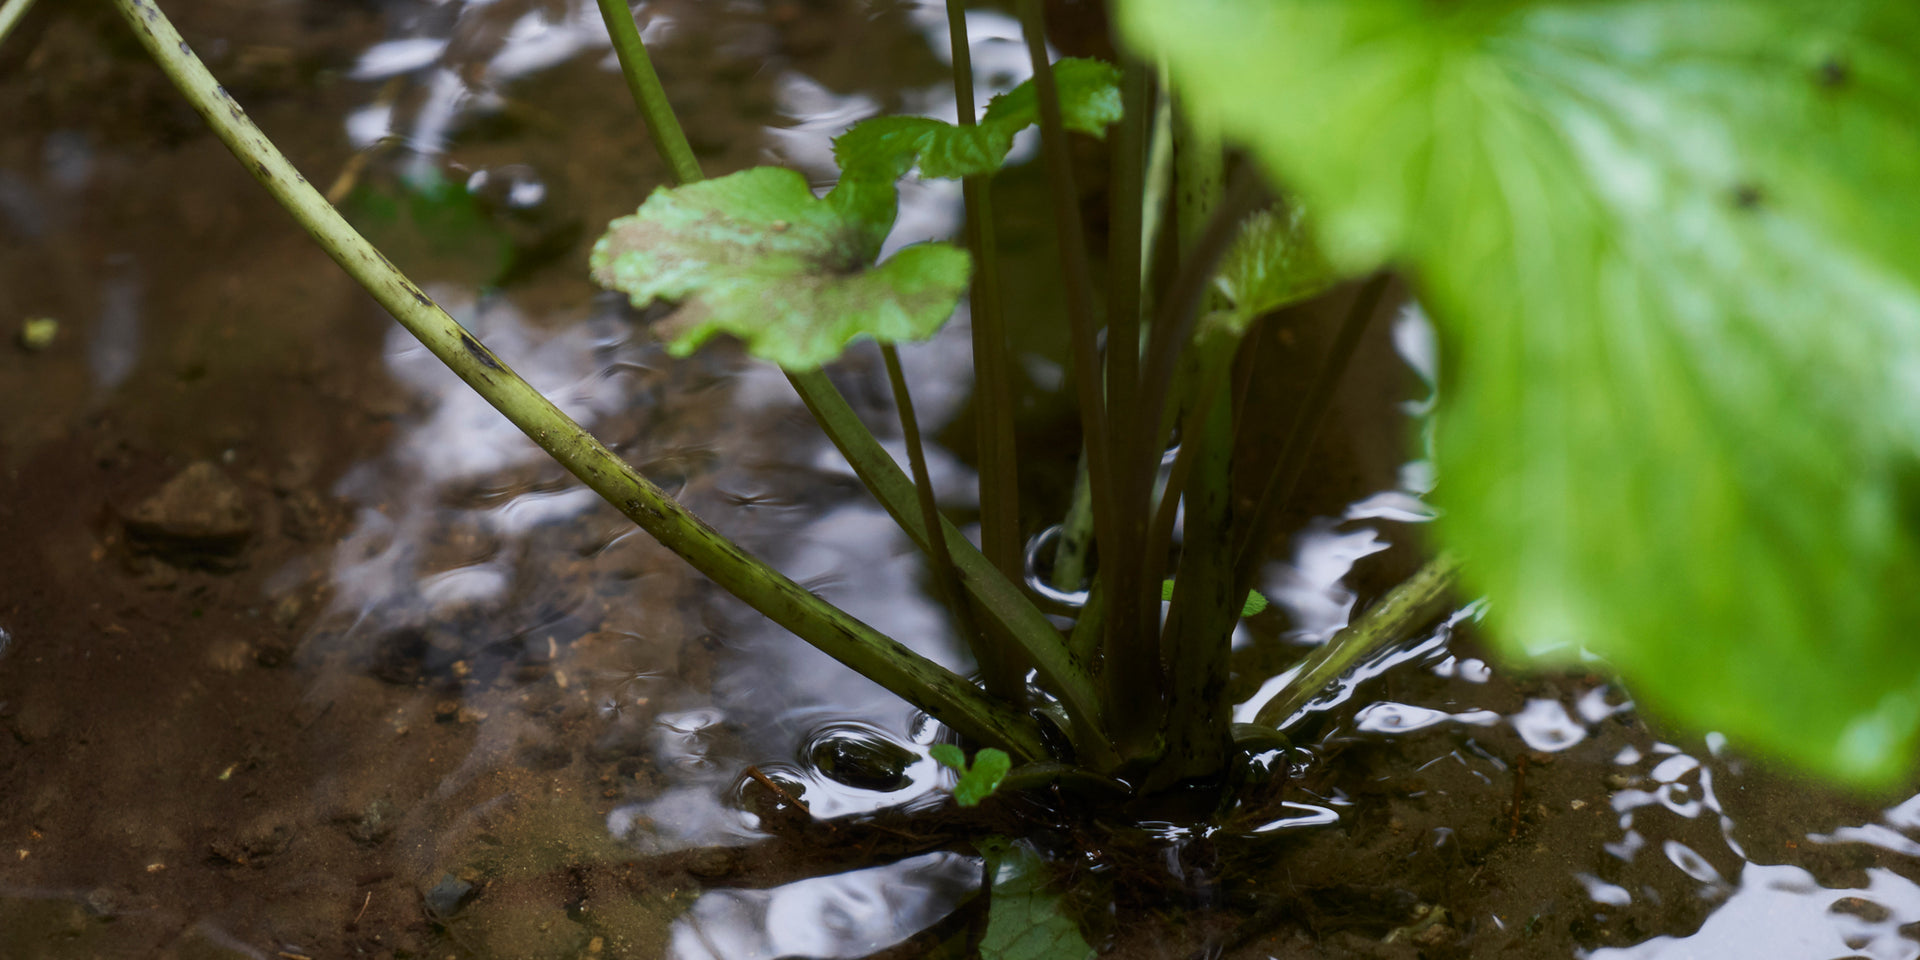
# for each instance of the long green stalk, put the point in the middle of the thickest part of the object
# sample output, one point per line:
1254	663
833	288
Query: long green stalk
900	670
1131	678
997	450
1422	599
1199	162
10	13
1179	310
1135	577
647	92
1198	640
1076	534
1001	601
1008	685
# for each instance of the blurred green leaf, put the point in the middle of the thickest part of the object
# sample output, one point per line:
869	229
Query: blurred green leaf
1671	248
1273	263
1025	919
756	255
883	149
1254	603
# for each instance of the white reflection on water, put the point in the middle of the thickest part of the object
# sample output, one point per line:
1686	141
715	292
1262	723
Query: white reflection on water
846	915
1781	913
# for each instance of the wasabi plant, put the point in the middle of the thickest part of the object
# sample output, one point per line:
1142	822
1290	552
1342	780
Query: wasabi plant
1669	247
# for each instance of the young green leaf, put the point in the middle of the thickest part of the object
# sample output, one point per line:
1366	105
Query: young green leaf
1671	249
1026	919
978	781
1274	262
948	755
756	255
990	766
1254	602
883	149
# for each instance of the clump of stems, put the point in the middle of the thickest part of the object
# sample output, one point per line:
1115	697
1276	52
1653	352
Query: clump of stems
1142	700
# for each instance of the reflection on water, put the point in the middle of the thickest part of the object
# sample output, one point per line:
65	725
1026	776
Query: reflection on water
846	915
474	563
573	698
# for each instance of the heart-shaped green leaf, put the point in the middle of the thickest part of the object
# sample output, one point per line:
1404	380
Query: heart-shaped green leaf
883	149
1672	249
977	781
757	255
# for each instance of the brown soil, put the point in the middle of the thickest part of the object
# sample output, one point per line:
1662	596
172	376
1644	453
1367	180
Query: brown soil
215	742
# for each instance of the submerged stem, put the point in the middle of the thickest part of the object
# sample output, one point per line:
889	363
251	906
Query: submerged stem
648	95
1406	608
883	660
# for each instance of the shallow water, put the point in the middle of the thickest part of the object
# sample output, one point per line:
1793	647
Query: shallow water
444	703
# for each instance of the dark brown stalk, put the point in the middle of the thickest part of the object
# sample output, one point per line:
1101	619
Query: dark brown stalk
1136	594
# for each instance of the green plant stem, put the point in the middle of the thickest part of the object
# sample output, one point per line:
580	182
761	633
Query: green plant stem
1045	775
1258	531
1127	637
1001	682
1135	464
651	98
1090	627
1001	601
1420	600
885	661
1180	309
997	449
1076	533
1197	643
1159	183
1199	173
1206	376
11	13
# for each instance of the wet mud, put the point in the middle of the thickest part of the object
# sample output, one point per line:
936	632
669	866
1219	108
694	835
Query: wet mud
304	653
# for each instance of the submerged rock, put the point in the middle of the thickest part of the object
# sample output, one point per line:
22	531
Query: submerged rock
199	518
862	762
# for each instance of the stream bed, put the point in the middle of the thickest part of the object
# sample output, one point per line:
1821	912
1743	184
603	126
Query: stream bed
305	653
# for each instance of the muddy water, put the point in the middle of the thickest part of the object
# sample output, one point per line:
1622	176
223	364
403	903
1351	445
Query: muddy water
303	653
